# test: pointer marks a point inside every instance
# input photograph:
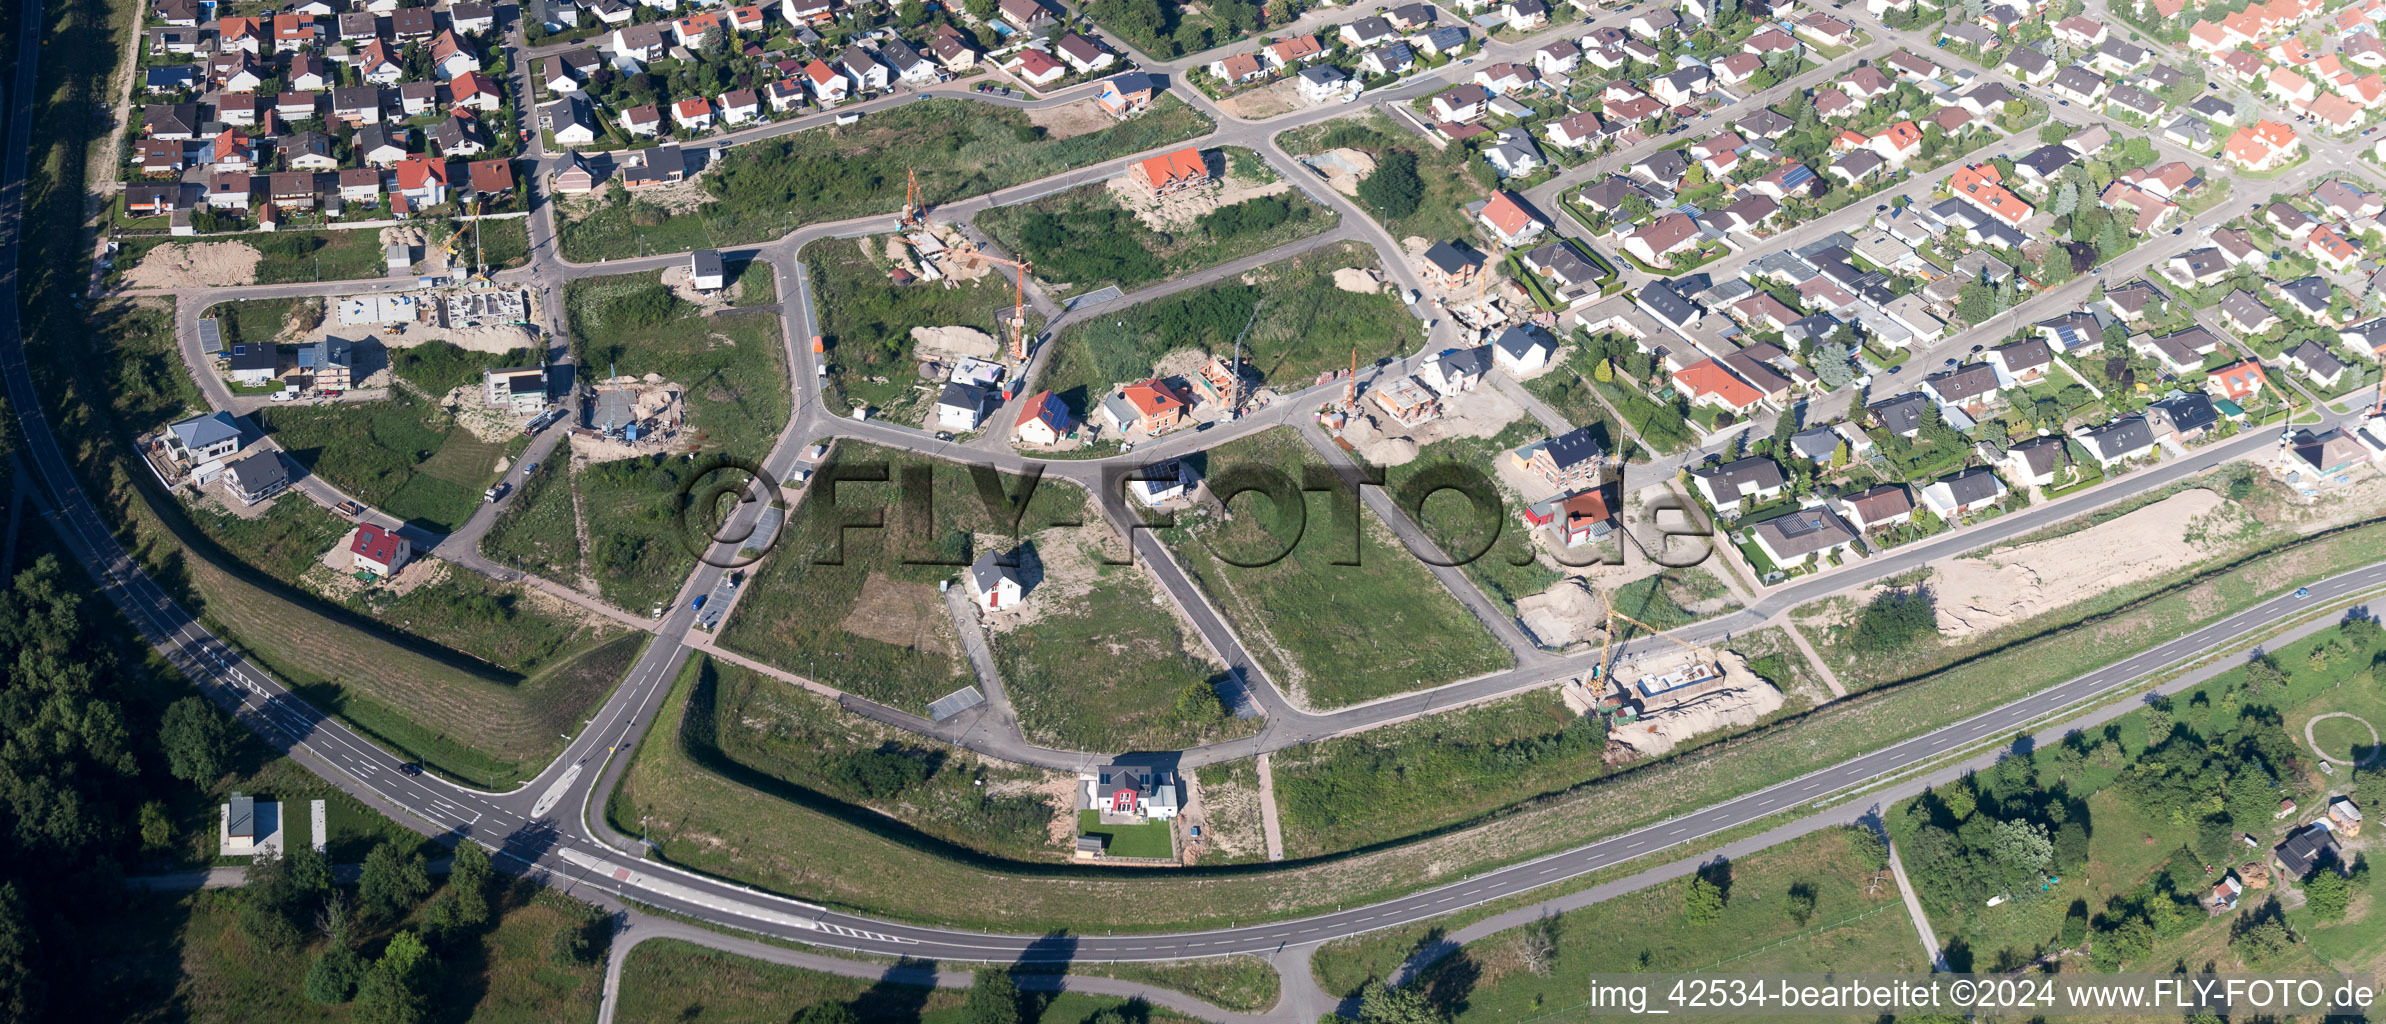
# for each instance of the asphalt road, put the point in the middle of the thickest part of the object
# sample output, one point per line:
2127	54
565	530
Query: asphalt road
545	827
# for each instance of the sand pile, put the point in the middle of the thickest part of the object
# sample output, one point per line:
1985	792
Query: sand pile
1344	169
955	341
195	265
2007	585
494	338
1737	700
1358	279
412	238
1568	613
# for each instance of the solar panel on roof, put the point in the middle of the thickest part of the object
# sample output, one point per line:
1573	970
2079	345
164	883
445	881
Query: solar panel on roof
955	703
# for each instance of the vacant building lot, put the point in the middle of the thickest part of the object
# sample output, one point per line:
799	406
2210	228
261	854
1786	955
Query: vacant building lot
1110	667
733	365
959	149
1447	183
858	609
280	257
866	323
1294	319
1320	628
1112	233
403	455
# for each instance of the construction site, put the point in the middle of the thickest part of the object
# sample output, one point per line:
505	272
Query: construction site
1656	701
925	251
634	416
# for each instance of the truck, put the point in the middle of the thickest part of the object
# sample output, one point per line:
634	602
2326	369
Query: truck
494	492
351	509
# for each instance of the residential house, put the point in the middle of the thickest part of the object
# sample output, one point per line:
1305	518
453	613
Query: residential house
2239	381
2038	462
256	478
1724	486
2120	441
1803	536
1522	350
1878	507
1964	492
2181	351
378	551
1150	406
2317	363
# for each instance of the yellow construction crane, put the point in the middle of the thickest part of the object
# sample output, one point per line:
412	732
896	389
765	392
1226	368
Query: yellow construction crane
915	206
1607	644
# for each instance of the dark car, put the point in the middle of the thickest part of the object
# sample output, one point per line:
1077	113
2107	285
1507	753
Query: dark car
411	768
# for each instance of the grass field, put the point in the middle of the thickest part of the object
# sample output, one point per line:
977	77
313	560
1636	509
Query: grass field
637	551
1509	566
959	149
792	744
733	366
438	367
402	456
1567	389
1848	929
866	322
1355	791
1105	672
670	980
1320	628
872	623
505	244
187	958
1150	840
1448	184
297	257
537	532
260	320
1294	323
1085	239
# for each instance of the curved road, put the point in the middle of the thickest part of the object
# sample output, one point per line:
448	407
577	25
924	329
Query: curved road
544	827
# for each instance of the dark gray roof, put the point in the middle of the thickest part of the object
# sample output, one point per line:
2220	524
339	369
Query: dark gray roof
2213	107
2245	308
255	356
1816	443
1668	306
2307	850
2079	81
705	262
964	396
2022	355
1450	259
1575	447
2316	359
2041	454
988	573
1975	484
1755	473
2118	438
1520	341
1764	123
2028	60
1804	531
202	431
258	473
2137	100
2188	412
2046	160
1901	414
2311	293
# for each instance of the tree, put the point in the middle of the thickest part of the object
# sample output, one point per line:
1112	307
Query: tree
1800	904
832	1012
197	740
2262	673
391	882
1604	373
1199	704
993	998
1840	456
468	878
1895	620
334	976
2264	942
20	985
2066	199
1394	190
982	10
157	831
2110	241
1702	901
2022	846
2328	893
1386	1005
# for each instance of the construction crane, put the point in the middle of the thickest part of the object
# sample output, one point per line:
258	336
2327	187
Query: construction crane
915	205
1018	298
1607	644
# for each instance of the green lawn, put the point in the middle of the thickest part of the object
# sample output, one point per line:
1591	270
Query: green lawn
505	244
1449	184
262	320
858	609
1109	671
1355	791
402	456
1150	840
297	257
1509	566
866	322
1321	629
438	367
770	187
1293	321
733	366
537	532
1085	239
670	980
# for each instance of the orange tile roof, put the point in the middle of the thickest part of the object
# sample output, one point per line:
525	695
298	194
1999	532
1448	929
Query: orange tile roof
1708	377
1153	397
2240	379
1979	184
1507	213
1168	168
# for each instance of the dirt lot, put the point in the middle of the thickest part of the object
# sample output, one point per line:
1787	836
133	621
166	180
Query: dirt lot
1070	119
910	614
195	265
1281	97
1343	168
1483	412
2006	585
1179	210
